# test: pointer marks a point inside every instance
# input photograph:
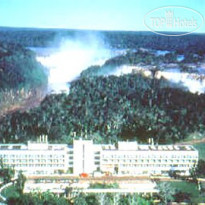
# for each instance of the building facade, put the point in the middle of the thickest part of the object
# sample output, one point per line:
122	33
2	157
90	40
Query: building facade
123	159
35	157
133	159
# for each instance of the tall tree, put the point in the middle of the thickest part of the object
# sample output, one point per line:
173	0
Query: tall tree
20	182
166	192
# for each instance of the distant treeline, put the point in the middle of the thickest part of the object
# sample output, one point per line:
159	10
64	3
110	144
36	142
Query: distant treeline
108	109
115	39
141	57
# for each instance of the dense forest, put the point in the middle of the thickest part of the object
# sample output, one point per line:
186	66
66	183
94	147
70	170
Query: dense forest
143	57
103	108
115	39
21	76
108	109
19	68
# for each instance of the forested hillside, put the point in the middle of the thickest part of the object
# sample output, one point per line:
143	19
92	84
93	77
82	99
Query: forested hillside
106	109
19	68
20	75
109	109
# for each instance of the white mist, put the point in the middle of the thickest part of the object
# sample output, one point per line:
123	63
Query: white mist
71	58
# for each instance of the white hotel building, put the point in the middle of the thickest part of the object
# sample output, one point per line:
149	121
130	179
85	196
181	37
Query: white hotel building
123	159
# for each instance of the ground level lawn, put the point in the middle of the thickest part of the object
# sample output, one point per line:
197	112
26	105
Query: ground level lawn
192	189
10	192
201	148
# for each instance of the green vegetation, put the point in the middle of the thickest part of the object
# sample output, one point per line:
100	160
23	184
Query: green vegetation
37	198
103	186
169	191
139	57
107	109
6	173
10	191
16	189
200	169
166	192
201	148
21	76
20	182
142	58
19	68
189	191
115	39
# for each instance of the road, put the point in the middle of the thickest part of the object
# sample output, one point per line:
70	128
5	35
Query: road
192	142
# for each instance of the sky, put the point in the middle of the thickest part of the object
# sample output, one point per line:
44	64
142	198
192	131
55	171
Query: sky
87	14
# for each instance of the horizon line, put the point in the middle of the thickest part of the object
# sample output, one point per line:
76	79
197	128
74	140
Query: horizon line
86	29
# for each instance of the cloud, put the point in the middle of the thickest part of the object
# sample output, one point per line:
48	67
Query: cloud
72	57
